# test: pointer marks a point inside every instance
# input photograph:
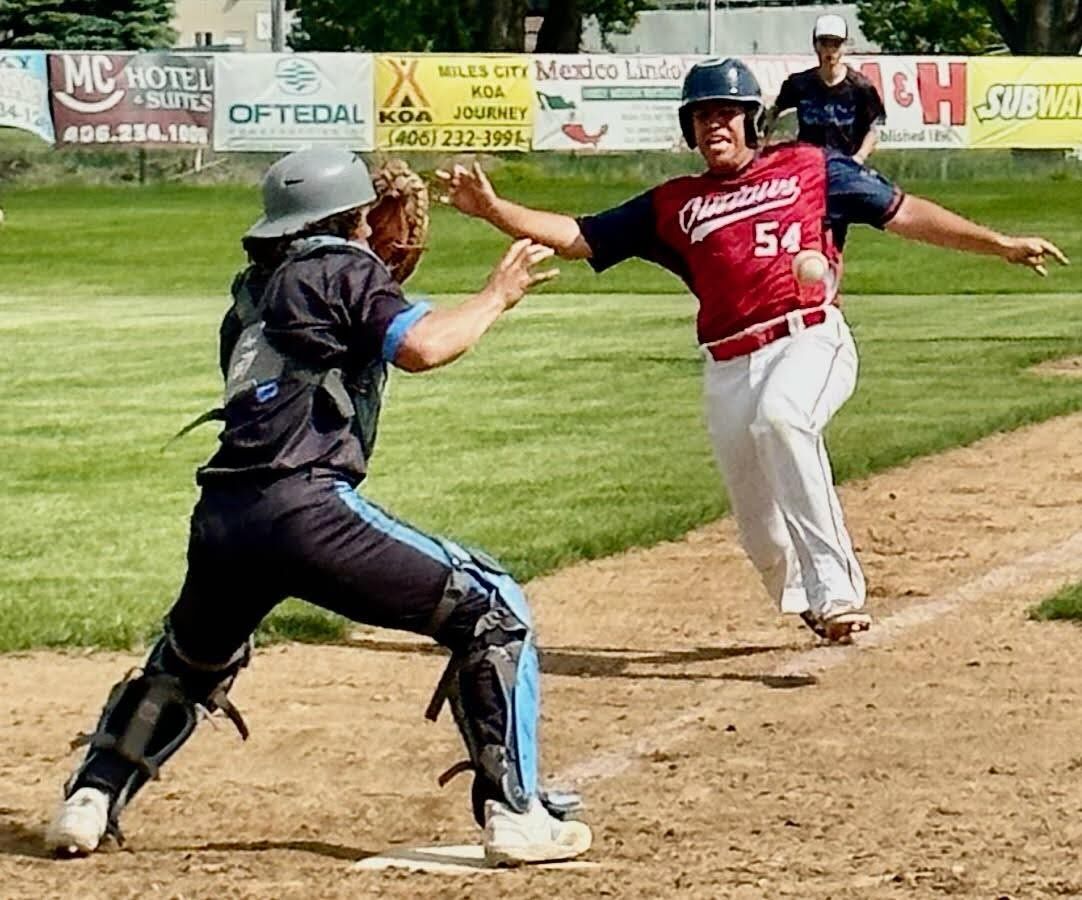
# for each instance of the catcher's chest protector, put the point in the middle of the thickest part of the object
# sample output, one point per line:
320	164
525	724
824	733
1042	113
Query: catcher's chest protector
256	366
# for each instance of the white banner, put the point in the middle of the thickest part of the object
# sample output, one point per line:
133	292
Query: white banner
289	101
614	102
24	92
925	98
607	102
771	71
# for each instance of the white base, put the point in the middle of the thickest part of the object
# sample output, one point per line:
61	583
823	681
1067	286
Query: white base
464	859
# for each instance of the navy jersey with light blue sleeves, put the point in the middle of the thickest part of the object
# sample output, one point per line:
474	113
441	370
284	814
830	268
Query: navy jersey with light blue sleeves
336	308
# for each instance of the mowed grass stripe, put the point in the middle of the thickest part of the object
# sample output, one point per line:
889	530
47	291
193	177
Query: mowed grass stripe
183	240
572	432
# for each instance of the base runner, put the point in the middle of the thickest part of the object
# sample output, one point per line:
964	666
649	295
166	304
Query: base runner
780	360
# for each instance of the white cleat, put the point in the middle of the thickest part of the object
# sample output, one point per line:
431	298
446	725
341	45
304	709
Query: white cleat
535	836
80	823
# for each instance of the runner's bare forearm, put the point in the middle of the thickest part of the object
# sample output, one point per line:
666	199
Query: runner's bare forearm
555	230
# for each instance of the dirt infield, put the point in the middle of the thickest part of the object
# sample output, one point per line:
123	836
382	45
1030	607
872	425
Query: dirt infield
722	754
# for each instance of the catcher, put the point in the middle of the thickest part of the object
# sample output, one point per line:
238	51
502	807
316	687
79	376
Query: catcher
317	317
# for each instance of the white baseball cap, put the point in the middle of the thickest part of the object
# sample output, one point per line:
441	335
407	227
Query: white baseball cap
830	26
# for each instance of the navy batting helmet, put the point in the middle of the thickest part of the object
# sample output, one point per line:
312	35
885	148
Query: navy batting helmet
722	79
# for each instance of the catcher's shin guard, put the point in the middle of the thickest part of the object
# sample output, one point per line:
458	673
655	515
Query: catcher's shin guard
492	684
149	715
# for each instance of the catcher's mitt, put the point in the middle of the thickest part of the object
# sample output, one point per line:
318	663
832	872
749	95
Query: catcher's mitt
399	217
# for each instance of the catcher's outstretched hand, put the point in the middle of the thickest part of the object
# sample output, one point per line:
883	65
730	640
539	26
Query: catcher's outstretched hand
514	274
1031	251
468	190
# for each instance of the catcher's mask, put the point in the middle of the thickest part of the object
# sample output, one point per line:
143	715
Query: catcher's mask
310	185
722	79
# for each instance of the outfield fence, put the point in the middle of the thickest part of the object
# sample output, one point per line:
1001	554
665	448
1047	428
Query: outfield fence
494	102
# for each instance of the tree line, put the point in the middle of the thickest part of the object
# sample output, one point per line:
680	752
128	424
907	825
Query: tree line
1036	27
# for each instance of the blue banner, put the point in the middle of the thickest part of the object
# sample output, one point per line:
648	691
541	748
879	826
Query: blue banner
24	92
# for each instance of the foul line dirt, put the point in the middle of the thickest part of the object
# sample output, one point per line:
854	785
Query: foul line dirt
1060	563
998	516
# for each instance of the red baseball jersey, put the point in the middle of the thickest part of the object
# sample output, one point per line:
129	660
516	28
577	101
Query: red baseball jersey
732	238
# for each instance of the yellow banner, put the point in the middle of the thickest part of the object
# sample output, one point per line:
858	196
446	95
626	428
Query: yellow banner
1028	102
453	103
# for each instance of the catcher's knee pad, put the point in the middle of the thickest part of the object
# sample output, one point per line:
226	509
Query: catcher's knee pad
148	717
492	681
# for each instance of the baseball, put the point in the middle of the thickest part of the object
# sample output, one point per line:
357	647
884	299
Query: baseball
810	267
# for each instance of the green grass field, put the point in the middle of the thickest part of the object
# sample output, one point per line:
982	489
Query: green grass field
184	241
1064	604
572	432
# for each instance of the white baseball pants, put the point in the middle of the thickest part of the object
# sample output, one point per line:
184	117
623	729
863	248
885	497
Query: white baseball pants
766	412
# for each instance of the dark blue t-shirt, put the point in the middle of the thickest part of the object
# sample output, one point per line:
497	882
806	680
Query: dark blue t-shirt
835	116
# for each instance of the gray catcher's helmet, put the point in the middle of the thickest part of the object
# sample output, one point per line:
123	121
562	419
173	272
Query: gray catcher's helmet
310	185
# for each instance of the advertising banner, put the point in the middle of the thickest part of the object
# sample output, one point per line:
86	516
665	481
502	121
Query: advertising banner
607	102
925	99
280	102
24	92
1025	102
771	71
149	99
459	102
623	102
